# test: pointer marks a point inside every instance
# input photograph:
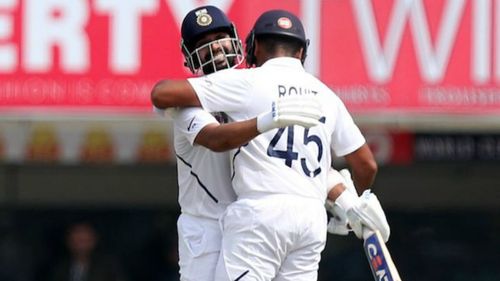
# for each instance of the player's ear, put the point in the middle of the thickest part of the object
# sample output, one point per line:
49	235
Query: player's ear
304	51
300	54
256	52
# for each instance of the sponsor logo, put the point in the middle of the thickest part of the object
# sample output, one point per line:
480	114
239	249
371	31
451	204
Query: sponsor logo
285	23
376	259
192	125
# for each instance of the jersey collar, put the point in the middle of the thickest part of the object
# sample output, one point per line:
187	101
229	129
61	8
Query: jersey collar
283	62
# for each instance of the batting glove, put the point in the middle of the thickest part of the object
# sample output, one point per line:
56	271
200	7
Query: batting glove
357	213
304	111
338	223
368	213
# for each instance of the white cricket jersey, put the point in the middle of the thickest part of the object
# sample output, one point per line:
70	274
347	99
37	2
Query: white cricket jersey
203	175
291	160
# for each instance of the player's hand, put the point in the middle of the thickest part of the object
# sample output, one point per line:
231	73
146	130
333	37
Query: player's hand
338	223
304	111
368	213
352	212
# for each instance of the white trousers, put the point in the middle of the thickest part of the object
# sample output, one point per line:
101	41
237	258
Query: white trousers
277	237
199	247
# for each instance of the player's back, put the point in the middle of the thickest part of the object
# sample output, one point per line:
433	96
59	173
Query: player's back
291	160
203	175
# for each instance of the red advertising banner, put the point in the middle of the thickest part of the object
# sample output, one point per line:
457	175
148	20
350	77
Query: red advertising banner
413	56
380	56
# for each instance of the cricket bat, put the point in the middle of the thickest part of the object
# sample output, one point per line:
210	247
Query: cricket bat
379	258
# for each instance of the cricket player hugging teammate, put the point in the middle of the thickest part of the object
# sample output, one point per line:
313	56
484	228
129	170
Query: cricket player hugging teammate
363	215
279	174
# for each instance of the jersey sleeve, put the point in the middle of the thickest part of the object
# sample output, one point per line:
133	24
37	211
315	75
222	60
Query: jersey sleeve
190	121
223	91
346	137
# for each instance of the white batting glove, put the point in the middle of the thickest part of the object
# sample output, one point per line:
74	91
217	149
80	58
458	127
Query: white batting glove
304	111
334	178
338	223
349	184
353	212
368	213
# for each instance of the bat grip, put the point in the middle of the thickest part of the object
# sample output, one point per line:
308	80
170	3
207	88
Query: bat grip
367	232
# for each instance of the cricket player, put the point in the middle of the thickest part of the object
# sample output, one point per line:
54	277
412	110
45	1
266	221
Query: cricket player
209	43
276	229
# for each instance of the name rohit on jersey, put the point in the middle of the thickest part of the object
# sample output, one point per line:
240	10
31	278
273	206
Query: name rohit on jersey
293	90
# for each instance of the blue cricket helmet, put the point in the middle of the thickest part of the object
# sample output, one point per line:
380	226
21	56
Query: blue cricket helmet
199	22
203	20
279	23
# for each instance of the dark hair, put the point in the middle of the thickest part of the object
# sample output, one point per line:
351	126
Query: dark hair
272	43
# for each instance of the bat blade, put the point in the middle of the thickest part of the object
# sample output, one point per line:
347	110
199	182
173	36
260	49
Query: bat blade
379	258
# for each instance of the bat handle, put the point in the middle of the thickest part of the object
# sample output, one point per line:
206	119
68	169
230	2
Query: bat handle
367	232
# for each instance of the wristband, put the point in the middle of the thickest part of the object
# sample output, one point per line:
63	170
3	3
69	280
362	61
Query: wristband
334	178
265	122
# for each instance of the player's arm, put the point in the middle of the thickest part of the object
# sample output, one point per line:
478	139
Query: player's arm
363	166
349	142
336	185
224	137
174	93
282	113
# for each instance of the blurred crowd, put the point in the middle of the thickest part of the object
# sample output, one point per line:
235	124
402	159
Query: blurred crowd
141	245
85	245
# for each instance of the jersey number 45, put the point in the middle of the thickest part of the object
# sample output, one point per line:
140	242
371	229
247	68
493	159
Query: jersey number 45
290	155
